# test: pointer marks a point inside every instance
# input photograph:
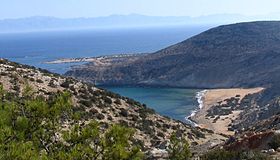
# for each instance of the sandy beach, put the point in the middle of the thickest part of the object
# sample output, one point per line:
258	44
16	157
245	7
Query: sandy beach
210	99
71	60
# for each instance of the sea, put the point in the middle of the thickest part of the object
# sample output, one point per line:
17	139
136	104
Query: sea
177	103
36	48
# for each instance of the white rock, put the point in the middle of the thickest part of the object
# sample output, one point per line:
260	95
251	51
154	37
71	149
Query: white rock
159	152
277	131
271	151
264	151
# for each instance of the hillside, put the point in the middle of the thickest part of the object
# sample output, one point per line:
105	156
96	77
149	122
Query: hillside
237	55
230	57
94	104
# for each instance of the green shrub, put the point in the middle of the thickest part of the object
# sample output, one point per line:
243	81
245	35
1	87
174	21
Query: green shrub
221	154
29	128
108	100
197	133
100	116
39	81
65	84
118	101
275	142
85	103
124	112
178	148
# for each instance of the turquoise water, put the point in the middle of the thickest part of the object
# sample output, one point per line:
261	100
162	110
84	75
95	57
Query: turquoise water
176	103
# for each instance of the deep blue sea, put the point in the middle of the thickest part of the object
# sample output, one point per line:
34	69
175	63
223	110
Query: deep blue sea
35	48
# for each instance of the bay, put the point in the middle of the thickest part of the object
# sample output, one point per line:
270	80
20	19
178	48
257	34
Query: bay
177	103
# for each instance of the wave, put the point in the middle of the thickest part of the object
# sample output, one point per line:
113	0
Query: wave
200	98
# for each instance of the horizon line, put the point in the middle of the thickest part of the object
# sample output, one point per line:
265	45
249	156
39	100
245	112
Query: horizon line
137	14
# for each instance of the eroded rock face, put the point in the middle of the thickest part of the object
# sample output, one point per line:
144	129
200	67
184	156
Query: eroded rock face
152	129
237	55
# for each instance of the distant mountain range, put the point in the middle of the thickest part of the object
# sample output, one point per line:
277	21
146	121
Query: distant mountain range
41	23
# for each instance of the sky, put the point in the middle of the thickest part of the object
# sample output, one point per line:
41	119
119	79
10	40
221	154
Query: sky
96	8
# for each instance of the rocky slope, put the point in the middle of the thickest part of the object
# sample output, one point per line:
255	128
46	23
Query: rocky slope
152	129
237	55
242	55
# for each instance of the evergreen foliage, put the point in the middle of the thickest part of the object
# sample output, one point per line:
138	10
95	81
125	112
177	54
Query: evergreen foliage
275	142
31	129
179	148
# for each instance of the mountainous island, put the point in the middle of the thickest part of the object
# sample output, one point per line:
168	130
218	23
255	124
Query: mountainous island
50	116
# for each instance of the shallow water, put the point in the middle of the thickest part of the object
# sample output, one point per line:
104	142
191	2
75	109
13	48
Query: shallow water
176	103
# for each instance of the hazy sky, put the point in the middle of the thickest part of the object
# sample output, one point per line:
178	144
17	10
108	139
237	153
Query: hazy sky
95	8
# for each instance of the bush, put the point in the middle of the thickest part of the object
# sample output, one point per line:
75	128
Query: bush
178	148
160	134
3	74
108	100
118	101
124	112
85	103
144	112
197	133
110	118
275	142
221	154
51	84
93	111
116	141
39	81
29	127
100	116
65	84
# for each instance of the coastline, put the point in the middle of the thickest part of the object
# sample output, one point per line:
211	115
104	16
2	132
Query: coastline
199	97
210	98
95	59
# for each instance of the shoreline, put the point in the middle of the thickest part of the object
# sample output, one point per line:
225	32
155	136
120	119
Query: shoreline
207	99
199	97
94	58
